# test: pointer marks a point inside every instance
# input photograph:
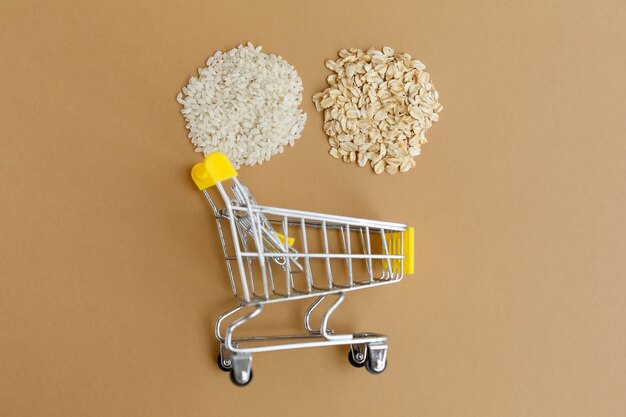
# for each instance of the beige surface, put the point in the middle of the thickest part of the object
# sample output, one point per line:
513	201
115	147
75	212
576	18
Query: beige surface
110	279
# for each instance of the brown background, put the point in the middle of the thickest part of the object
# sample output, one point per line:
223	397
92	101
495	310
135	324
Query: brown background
110	274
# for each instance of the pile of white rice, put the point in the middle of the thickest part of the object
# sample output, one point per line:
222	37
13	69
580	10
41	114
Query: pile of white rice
245	104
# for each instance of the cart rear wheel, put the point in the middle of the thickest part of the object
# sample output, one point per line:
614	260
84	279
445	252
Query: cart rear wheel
353	361
239	383
220	364
371	370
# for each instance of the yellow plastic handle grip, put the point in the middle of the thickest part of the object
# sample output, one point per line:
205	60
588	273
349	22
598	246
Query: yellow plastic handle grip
408	244
215	168
409	250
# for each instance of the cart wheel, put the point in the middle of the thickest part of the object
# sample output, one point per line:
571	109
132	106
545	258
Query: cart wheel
240	384
371	370
221	365
353	362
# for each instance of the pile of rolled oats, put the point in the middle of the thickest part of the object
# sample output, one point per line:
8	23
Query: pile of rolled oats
378	108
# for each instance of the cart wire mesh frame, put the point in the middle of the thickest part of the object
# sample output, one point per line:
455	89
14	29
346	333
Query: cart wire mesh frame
276	254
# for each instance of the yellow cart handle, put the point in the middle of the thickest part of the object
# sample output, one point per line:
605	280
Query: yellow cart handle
215	168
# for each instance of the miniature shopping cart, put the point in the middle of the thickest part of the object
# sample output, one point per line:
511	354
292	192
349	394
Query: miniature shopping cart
275	254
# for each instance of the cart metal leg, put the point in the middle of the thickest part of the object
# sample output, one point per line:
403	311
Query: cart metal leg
328	334
307	315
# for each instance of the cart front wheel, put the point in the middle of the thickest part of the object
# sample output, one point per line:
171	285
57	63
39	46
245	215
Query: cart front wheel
234	380
354	362
372	371
226	367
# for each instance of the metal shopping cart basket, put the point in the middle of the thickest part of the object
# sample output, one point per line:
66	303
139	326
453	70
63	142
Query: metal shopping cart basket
276	254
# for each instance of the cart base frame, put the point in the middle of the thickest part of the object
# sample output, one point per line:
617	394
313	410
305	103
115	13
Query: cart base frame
235	354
